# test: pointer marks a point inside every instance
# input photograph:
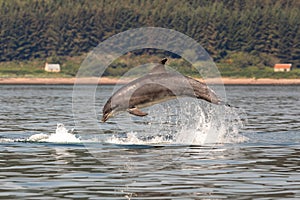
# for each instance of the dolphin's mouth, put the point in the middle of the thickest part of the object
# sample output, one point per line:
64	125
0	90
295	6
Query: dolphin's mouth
106	116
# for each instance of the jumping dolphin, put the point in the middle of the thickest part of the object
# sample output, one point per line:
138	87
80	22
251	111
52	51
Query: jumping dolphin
155	87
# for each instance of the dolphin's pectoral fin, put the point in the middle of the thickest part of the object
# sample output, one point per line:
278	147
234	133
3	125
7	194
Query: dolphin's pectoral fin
137	112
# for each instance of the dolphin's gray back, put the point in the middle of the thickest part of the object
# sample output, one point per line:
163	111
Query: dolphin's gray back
154	88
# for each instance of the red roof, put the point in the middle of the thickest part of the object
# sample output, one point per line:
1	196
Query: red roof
282	66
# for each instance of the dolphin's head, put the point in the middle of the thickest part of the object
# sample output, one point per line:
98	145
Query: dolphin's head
109	110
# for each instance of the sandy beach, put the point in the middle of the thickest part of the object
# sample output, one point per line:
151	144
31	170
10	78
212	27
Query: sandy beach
110	81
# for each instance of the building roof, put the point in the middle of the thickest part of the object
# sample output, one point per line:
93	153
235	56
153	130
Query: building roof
282	66
52	65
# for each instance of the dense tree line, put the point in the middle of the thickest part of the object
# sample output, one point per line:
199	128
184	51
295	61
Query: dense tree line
32	29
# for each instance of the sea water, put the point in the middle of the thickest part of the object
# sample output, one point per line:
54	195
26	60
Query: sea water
194	151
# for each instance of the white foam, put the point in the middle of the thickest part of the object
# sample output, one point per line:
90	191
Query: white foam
6	140
132	138
38	137
61	135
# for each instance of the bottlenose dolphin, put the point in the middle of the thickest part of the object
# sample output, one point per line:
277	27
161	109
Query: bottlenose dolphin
155	87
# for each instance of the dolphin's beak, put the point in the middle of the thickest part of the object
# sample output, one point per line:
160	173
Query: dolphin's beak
106	116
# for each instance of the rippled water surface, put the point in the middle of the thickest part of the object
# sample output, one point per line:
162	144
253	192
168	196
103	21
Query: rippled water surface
152	157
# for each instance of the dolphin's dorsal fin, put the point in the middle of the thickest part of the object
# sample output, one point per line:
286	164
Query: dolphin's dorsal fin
163	61
160	68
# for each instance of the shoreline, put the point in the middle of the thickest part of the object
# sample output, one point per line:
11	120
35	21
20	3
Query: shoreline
112	81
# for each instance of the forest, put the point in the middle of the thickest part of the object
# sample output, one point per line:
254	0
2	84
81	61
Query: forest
243	33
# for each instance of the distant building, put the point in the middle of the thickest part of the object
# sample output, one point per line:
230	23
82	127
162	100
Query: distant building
52	67
282	67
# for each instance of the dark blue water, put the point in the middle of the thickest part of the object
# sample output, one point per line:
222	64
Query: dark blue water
115	161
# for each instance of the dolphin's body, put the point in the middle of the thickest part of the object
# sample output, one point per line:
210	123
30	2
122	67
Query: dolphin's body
155	87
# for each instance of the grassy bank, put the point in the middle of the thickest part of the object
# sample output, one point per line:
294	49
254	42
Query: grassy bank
256	72
70	66
35	68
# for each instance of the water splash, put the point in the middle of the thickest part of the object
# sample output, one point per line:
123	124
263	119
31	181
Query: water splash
210	124
190	123
61	135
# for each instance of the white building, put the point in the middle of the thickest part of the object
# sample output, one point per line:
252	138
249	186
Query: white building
52	67
282	67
